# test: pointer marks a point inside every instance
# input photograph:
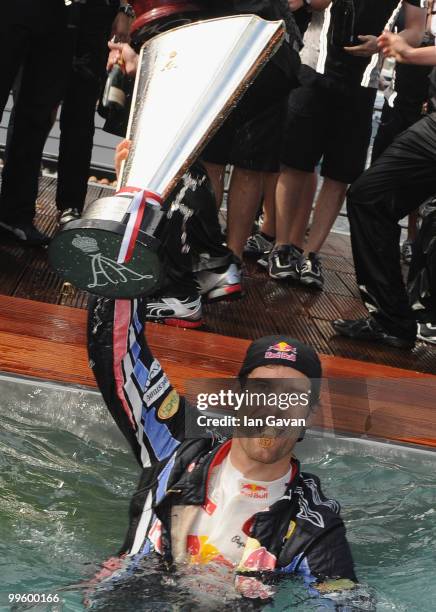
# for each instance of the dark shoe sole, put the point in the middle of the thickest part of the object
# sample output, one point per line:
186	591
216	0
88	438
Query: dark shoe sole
312	282
294	276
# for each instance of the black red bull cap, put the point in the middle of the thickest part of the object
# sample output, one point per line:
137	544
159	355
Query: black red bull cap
284	351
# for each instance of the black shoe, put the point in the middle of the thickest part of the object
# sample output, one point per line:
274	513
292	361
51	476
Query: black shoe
27	234
427	332
67	215
257	244
311	271
369	329
284	262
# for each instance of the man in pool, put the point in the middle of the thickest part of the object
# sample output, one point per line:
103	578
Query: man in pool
241	502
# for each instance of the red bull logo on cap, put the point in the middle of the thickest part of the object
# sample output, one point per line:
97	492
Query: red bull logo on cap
282	350
254	491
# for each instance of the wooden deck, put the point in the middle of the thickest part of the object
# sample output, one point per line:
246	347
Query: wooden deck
48	341
268	307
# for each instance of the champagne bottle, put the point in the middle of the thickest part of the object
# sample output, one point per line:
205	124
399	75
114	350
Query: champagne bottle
114	95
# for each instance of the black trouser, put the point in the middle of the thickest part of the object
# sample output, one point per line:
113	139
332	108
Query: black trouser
398	182
421	283
203	235
91	33
33	35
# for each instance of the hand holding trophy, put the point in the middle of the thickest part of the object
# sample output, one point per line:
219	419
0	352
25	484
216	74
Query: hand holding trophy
188	80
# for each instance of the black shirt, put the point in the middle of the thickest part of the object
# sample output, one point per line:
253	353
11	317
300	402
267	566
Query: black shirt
347	20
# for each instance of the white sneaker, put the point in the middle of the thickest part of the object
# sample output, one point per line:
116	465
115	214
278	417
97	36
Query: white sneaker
178	312
216	286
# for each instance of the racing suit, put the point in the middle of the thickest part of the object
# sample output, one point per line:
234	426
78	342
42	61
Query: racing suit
301	533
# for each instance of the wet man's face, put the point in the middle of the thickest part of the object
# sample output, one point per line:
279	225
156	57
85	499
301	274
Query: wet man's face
277	440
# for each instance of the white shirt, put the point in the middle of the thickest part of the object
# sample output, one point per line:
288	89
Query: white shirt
217	531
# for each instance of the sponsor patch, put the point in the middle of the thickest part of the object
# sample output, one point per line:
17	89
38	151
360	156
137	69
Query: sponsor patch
156	391
169	406
254	491
281	350
155	368
291	530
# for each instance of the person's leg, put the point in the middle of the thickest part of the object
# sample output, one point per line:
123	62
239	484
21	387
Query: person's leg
292	209
303	147
15	42
261	241
41	89
405	170
78	107
245	195
344	158
328	205
268	227
215	173
216	270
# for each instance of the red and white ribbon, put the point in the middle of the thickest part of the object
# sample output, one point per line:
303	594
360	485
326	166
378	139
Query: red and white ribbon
136	213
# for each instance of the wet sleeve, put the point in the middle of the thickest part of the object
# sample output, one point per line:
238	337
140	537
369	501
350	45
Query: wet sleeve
328	569
136	390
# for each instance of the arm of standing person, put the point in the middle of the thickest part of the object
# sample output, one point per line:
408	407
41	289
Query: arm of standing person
415	18
122	22
394	45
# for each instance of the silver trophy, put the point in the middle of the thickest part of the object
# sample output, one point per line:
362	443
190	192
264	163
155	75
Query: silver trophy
188	81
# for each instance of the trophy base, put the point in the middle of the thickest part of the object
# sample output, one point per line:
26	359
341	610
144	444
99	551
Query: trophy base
86	251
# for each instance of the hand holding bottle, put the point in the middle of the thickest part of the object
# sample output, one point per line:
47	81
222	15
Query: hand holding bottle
124	55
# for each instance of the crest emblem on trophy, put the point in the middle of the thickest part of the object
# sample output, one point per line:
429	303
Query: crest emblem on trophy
188	80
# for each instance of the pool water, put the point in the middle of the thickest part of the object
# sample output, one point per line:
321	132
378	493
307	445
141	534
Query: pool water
66	477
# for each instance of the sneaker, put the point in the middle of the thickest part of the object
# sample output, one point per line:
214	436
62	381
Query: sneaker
284	262
427	332
26	233
67	215
215	285
369	329
311	271
257	244
179	312
407	252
